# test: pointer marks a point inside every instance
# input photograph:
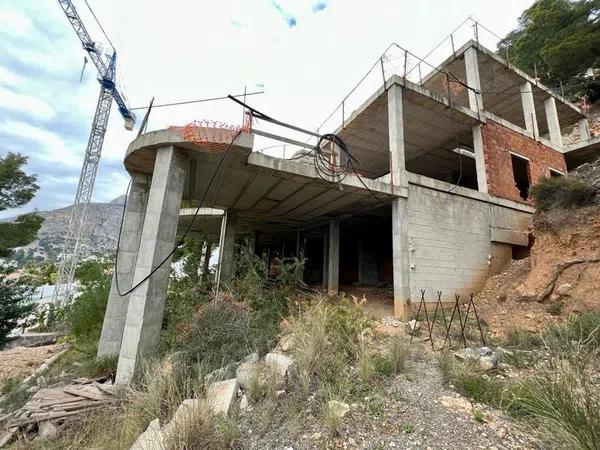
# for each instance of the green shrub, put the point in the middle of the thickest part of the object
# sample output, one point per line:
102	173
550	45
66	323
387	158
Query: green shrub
555	308
86	314
224	332
15	394
328	338
561	192
15	306
468	380
522	339
216	333
564	400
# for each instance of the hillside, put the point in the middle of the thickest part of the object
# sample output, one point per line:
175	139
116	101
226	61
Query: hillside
101	232
562	274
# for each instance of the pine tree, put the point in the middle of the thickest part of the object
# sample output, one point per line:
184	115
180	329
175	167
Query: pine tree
16	189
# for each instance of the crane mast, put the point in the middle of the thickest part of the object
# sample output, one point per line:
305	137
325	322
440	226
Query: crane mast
106	65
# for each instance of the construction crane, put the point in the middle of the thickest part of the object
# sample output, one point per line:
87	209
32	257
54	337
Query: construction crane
106	65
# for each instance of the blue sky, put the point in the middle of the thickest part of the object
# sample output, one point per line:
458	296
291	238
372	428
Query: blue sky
306	53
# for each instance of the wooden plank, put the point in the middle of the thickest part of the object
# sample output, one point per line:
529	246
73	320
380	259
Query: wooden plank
44	417
81	393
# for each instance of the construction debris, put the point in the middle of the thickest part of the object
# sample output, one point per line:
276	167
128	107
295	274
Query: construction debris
50	407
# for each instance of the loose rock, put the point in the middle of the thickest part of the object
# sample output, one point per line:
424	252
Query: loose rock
220	395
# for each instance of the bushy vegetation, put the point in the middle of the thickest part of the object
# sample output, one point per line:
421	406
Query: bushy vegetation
212	330
86	314
15	306
560	395
561	192
16	189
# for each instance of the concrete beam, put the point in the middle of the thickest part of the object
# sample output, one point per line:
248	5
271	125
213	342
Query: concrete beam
131	232
333	272
473	81
396	137
513	237
529	109
479	159
584	129
400	259
147	301
227	247
552	120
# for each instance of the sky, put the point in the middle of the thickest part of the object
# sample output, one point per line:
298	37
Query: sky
306	55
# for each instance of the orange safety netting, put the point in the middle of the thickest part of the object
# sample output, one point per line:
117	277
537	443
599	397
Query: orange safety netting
211	135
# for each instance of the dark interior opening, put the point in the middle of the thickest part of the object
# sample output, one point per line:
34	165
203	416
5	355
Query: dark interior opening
520	168
554	174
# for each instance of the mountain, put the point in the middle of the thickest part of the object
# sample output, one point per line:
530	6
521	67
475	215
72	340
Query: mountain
100	233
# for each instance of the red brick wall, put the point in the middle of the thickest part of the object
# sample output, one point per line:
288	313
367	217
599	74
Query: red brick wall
498	141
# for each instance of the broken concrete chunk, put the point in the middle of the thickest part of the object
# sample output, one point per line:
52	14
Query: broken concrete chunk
151	439
412	327
220	395
251	358
484	356
283	366
184	412
244	402
249	373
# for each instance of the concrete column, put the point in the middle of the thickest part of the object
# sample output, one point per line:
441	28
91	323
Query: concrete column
553	123
251	242
333	272
400	259
227	247
367	265
206	261
147	302
584	129
473	81
529	108
396	137
325	265
131	231
479	159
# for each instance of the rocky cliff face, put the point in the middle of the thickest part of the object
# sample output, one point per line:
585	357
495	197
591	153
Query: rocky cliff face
100	234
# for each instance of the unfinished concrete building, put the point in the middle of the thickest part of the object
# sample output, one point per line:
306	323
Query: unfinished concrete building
441	204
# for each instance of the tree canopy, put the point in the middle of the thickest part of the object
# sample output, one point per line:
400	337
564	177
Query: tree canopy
562	39
16	189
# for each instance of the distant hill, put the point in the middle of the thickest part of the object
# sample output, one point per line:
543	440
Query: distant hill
100	234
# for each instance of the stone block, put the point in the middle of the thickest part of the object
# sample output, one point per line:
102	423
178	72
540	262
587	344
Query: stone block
221	394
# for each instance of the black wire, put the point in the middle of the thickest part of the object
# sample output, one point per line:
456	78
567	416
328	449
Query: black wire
182	239
201	100
100	25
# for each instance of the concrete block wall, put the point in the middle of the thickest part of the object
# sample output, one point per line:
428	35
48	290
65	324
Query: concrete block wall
450	241
498	142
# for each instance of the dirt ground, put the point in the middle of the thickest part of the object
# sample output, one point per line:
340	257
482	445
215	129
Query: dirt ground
378	301
20	362
510	299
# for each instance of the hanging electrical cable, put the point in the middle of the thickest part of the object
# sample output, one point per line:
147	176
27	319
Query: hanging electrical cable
185	233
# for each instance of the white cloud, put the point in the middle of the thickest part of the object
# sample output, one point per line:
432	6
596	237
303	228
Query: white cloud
9	78
54	148
13	22
30	105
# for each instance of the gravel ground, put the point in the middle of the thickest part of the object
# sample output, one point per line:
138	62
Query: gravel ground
411	411
22	361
